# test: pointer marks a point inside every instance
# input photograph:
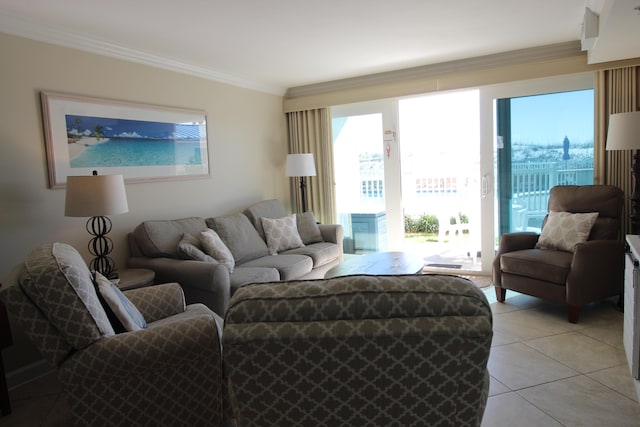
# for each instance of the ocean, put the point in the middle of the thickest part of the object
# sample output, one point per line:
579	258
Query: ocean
139	152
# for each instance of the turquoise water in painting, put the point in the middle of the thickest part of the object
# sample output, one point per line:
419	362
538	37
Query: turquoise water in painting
139	152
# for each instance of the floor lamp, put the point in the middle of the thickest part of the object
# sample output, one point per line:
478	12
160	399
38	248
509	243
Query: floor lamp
97	196
301	165
624	134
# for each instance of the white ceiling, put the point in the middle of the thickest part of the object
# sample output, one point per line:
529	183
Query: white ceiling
272	45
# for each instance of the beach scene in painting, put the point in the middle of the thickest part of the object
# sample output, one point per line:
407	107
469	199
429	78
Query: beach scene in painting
111	142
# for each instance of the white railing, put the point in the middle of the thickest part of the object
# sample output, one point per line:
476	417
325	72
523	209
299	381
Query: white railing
530	185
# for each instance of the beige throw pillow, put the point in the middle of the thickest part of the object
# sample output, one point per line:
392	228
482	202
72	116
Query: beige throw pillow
215	247
190	247
281	233
308	228
564	230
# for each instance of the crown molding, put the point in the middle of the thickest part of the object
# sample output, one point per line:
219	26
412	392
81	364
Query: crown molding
530	55
38	32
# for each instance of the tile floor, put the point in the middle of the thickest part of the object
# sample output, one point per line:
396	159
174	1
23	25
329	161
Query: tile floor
544	371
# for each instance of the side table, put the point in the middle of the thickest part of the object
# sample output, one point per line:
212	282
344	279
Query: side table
5	341
134	278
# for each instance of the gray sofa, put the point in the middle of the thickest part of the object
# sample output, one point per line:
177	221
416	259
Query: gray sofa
154	245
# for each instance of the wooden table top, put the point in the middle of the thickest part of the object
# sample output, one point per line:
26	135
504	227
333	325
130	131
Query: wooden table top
379	263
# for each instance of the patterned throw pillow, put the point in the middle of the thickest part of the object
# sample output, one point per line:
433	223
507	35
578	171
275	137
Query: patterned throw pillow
215	248
282	234
126	317
564	230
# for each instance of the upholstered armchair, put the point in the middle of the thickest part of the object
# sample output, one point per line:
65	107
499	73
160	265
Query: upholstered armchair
169	373
359	350
576	260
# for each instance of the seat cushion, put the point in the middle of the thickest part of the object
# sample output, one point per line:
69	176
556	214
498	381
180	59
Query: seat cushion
289	266
321	253
547	265
245	275
58	281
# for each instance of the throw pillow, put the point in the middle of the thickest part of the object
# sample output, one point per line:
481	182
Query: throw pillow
189	248
564	230
308	228
215	248
281	233
126	316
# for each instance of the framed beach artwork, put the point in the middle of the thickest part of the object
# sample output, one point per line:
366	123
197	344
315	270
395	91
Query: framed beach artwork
141	142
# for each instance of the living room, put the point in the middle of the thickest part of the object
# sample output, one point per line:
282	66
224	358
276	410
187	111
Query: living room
247	134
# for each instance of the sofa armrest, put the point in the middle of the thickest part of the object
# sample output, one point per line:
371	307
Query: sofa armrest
597	271
158	302
333	233
202	282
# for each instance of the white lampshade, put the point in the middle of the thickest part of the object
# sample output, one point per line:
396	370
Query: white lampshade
95	195
300	165
624	131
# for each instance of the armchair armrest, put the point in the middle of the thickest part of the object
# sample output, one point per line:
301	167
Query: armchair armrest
203	282
158	302
510	242
169	371
596	268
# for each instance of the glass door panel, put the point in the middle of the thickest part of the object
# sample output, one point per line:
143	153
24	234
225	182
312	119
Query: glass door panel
360	181
543	141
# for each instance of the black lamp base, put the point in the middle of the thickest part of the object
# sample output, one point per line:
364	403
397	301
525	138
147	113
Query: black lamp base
101	246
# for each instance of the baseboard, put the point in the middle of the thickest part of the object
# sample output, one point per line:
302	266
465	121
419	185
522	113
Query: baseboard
27	374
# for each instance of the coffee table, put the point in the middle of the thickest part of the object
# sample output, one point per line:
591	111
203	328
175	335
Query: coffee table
379	263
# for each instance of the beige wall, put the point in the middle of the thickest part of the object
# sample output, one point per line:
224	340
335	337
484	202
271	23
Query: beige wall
247	149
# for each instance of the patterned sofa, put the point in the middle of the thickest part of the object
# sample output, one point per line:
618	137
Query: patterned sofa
359	350
169	373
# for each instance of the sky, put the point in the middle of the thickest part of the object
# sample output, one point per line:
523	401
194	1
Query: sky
547	119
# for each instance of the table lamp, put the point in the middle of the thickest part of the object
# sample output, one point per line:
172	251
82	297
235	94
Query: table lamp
624	134
97	196
301	165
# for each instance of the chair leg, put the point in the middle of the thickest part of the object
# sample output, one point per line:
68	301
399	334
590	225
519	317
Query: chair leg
573	313
501	293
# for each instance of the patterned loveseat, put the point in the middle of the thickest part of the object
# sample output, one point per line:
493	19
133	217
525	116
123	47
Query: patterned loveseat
359	350
169	373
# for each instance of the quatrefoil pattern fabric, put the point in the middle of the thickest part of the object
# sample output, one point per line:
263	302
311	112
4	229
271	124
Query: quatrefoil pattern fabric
359	350
282	234
564	230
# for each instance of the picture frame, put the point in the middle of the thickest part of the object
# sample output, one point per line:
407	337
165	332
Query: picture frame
140	141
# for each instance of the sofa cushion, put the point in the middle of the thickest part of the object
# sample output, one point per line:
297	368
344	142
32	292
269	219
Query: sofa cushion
160	238
321	253
215	247
190	248
241	237
58	281
308	228
272	208
244	275
289	266
281	234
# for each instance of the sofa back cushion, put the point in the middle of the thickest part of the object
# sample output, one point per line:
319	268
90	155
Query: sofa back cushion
59	283
160	238
265	209
240	236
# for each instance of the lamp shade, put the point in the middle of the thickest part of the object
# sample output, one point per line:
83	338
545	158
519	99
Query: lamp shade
95	195
624	131
301	165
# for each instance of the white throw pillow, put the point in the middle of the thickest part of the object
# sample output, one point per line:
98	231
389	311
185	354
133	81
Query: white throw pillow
125	312
215	248
281	233
564	230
